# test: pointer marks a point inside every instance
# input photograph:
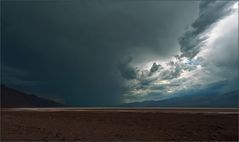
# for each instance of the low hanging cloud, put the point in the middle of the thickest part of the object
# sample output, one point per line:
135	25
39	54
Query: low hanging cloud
159	78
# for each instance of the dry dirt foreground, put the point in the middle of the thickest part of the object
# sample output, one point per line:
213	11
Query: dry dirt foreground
110	125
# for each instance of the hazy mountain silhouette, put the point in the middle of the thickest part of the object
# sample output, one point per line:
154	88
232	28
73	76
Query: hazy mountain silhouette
229	99
13	98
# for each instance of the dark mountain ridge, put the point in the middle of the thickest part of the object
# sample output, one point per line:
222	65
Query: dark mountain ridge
11	98
217	100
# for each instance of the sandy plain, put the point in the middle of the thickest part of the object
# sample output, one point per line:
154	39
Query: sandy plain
100	124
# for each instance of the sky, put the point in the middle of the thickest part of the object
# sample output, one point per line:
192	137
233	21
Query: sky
105	53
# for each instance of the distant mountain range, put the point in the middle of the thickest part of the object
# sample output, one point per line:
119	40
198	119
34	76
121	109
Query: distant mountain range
11	98
226	100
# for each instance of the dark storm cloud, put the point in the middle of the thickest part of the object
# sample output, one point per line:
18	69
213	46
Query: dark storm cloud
209	13
74	48
155	67
127	70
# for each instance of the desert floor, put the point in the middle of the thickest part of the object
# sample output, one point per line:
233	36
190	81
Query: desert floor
119	124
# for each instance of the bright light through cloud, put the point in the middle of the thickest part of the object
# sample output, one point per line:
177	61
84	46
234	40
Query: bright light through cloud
179	73
235	6
222	28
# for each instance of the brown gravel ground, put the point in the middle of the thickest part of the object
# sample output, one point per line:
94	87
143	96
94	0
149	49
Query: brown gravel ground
120	125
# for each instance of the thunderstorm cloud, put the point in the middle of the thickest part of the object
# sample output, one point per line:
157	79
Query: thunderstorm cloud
105	53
